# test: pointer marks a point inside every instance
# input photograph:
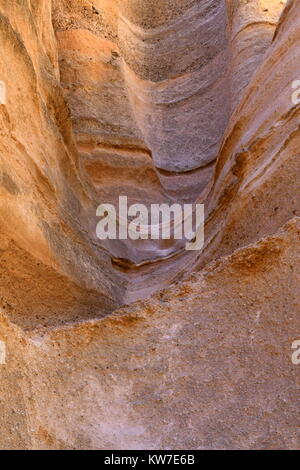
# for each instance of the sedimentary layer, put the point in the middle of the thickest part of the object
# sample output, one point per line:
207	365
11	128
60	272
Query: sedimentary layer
170	101
205	364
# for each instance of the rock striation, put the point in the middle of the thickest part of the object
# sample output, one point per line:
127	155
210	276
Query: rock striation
124	345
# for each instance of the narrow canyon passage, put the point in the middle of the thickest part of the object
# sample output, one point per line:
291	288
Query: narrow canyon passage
128	99
123	344
151	87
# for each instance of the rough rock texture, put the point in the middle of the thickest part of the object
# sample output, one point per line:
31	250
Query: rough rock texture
44	205
142	98
204	364
256	184
145	111
252	25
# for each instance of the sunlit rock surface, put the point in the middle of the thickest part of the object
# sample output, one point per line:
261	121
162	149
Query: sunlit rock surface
170	101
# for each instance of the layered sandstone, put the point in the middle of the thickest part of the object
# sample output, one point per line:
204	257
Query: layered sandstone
143	110
204	364
170	101
44	204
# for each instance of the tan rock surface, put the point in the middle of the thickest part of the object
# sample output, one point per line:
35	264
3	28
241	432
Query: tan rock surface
205	364
44	203
256	185
142	98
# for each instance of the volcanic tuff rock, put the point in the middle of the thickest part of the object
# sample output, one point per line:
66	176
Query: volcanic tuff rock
169	101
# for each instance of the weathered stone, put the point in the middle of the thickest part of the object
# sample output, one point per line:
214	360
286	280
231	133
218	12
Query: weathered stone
126	345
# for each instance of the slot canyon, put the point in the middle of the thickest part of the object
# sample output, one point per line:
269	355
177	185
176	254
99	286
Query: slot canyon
141	344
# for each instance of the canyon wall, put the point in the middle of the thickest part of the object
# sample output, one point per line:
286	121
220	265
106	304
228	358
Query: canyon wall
44	202
145	110
165	102
255	184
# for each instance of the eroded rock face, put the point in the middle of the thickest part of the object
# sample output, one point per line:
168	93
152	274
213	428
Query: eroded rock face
44	202
256	185
204	365
252	26
142	98
149	117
